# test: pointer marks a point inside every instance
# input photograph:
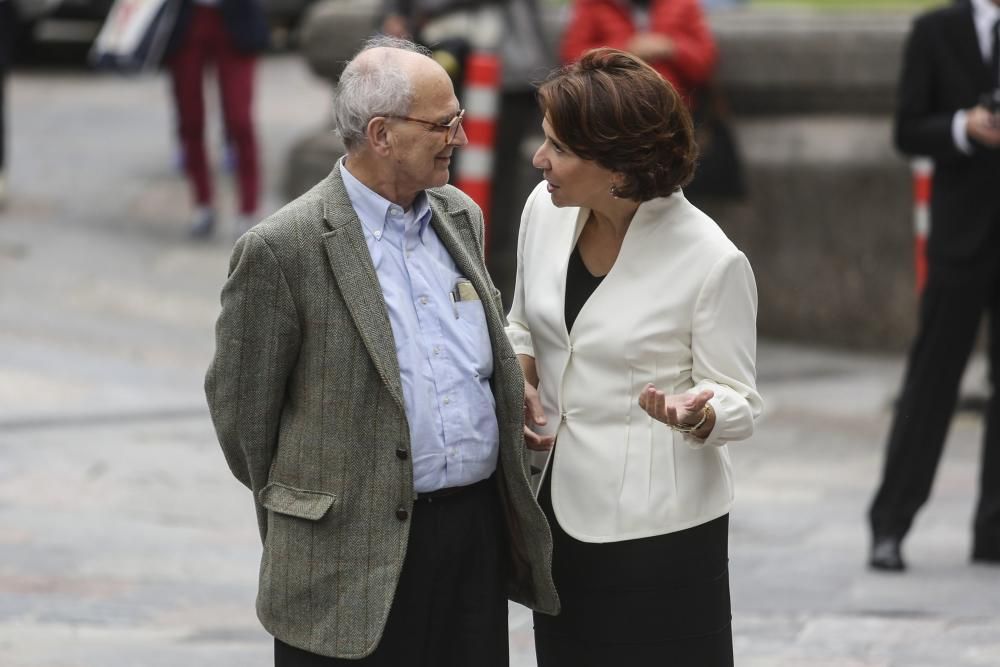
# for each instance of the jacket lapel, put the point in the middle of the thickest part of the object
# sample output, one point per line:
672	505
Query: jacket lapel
966	40
352	267
454	229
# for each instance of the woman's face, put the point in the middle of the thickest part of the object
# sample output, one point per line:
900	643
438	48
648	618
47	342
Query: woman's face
572	181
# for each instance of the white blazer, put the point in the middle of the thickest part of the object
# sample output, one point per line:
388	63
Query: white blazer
678	309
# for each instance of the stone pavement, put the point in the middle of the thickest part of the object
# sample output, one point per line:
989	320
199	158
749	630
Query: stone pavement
125	541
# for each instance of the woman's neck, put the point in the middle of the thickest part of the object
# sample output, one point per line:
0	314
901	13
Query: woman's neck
615	217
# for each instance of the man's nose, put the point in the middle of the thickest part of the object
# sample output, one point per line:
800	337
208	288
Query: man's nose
461	138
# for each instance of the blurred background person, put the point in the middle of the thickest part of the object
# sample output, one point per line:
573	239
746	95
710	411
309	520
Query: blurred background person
634	321
6	44
671	35
951	72
226	34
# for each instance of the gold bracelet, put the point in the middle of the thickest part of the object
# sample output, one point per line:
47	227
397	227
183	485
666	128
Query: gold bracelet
691	428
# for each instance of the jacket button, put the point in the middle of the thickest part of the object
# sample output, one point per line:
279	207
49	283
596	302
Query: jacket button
402	514
402	454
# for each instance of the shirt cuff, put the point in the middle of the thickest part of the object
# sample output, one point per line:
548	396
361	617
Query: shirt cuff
958	134
520	341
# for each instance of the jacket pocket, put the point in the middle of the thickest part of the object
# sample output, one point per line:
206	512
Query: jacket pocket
284	499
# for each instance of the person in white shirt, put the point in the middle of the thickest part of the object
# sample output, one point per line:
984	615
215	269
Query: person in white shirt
951	72
634	318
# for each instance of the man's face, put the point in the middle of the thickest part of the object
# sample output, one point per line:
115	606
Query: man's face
421	154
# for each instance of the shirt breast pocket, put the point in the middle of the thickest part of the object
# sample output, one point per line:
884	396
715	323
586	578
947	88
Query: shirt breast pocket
473	328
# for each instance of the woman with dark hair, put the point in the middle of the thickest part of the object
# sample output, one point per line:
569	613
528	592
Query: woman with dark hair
634	320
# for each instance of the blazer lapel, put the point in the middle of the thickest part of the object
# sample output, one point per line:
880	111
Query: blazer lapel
454	229
355	275
966	40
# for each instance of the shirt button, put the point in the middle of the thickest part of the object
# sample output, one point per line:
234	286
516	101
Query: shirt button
402	514
423	300
563	417
437	350
378	234
402	454
447	400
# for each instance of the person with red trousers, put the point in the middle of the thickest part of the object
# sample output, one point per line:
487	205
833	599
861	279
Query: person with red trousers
226	34
671	35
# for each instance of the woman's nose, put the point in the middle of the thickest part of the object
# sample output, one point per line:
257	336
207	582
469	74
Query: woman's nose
538	160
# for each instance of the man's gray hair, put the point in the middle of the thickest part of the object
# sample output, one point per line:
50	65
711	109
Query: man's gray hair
370	88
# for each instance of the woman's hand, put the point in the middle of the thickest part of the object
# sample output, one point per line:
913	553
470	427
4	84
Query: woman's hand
534	415
679	410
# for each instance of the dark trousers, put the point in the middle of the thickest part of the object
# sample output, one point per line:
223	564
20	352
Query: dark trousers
207	43
952	306
450	607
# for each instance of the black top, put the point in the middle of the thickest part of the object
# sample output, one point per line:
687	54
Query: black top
580	284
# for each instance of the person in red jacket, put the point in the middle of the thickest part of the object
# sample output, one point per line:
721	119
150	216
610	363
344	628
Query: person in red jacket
671	35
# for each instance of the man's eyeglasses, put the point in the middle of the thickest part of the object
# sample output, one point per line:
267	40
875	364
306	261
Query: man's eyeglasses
451	127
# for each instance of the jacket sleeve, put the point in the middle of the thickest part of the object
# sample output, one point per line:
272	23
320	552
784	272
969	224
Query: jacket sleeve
724	349
696	54
584	32
921	129
257	341
518	331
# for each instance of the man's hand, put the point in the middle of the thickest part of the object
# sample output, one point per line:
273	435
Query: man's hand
651	46
676	410
394	25
535	416
983	126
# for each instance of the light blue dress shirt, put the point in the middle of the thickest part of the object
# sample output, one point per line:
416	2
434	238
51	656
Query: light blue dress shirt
443	346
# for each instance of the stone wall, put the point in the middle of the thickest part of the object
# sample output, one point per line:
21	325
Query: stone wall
827	223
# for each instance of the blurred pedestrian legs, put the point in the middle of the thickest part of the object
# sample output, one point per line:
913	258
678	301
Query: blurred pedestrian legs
6	41
225	34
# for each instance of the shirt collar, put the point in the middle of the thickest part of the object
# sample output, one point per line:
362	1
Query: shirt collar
985	11
373	209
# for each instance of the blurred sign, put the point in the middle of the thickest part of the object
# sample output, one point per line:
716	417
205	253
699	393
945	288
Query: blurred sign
135	34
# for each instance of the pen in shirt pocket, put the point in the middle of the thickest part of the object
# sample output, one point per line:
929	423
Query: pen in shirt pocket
454	306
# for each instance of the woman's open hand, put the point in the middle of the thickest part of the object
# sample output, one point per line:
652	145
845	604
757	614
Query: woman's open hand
681	410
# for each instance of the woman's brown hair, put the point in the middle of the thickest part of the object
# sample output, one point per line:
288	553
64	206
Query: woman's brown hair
614	109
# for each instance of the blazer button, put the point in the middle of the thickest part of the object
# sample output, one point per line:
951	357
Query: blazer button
402	514
402	454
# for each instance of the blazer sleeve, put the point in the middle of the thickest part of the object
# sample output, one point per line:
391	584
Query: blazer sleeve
724	349
920	127
257	341
518	331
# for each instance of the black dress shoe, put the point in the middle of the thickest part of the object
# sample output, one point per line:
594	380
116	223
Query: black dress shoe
985	556
887	555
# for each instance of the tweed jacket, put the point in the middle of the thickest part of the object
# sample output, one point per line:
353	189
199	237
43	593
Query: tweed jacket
306	398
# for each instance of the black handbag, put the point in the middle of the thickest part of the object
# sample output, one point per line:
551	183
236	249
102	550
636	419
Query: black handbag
719	173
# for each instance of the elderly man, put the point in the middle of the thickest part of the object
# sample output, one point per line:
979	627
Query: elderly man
364	390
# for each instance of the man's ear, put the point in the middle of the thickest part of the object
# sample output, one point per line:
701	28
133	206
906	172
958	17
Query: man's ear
378	136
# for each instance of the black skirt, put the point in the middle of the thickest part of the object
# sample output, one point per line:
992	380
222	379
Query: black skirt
661	600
